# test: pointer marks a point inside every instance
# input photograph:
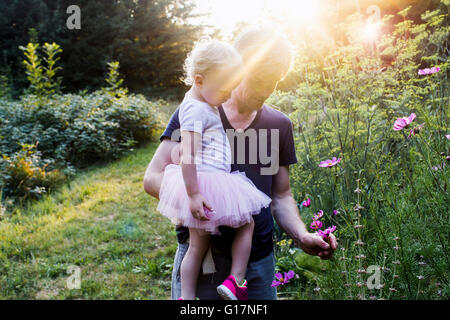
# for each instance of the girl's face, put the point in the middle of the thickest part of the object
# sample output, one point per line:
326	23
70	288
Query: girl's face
216	89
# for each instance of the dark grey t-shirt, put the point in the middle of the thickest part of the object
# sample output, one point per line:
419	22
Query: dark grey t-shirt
258	138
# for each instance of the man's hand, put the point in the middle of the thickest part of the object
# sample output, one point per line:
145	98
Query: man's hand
285	211
313	244
196	203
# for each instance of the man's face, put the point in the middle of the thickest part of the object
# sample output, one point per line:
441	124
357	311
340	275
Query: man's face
255	89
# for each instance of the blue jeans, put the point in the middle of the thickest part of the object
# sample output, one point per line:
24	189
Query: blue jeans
259	276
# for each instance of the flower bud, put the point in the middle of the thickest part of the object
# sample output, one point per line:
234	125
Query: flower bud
361	271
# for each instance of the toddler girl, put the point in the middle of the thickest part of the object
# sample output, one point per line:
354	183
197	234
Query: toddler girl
201	193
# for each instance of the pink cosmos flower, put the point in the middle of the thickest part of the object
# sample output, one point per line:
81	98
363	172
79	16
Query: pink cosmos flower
316	224
439	167
427	71
306	203
329	163
325	234
335	212
401	123
280	279
318	215
447	136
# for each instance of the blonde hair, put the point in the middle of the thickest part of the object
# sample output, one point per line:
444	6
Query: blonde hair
265	50
209	56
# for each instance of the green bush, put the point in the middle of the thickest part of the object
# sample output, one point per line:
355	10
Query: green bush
79	130
26	175
72	130
42	76
67	130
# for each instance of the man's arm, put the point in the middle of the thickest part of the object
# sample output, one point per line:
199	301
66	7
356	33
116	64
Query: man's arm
167	152
285	211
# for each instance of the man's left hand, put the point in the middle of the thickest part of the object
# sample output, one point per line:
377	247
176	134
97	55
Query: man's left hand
313	244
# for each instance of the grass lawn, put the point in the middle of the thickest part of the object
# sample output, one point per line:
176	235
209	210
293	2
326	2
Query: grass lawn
102	222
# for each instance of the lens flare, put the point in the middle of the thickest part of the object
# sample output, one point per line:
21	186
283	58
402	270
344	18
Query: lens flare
371	31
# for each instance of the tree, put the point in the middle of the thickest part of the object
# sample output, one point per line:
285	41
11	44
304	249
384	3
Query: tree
150	39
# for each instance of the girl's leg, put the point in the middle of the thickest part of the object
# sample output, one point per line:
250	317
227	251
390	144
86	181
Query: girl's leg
240	251
190	266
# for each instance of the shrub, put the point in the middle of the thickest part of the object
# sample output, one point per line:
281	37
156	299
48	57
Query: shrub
26	175
67	130
78	130
42	77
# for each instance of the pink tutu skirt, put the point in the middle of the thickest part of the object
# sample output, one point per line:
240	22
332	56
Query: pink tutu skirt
233	197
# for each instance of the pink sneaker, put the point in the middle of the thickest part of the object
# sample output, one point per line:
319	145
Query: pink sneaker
230	290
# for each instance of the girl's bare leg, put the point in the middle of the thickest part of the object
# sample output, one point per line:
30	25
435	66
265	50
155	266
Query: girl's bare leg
190	266
240	251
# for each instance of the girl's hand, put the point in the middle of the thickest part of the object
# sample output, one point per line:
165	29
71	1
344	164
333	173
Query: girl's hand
197	201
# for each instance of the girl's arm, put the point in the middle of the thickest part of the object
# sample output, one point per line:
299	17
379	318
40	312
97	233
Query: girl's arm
190	144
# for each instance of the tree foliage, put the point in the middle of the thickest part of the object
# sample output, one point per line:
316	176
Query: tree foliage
149	38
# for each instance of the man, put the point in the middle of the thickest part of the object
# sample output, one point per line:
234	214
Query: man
255	131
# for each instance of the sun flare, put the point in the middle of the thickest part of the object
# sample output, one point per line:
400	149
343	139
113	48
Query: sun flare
228	14
370	31
298	10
